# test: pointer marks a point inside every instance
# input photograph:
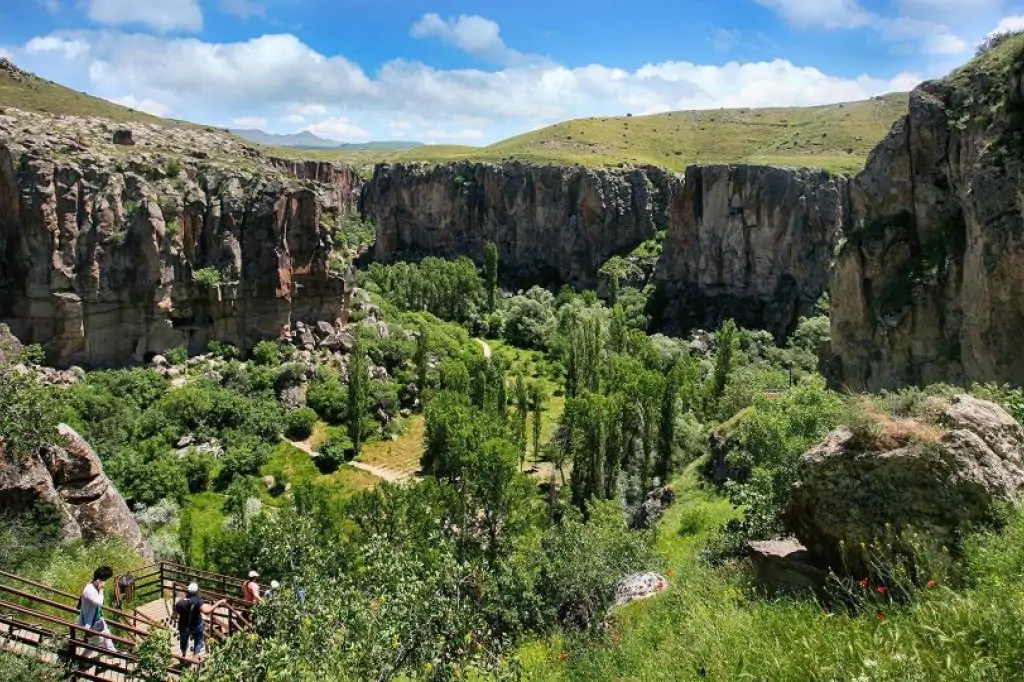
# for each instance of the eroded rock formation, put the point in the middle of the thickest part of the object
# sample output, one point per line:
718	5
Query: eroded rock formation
70	476
752	243
928	284
105	260
861	489
551	224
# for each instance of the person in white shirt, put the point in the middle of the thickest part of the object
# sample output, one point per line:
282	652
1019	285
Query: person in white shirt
91	608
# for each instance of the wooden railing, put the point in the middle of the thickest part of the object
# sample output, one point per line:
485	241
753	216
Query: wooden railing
47	629
167	580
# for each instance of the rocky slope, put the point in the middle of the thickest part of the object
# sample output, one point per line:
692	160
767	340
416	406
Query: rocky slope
928	284
69	476
551	224
118	241
751	243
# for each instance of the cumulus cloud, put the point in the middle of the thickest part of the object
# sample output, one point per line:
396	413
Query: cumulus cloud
473	34
278	77
934	37
160	15
338	128
249	122
1008	24
147	105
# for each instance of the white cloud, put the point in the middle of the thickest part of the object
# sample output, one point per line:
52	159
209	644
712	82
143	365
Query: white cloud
68	49
249	122
147	105
470	33
51	6
160	15
307	109
434	135
1009	24
338	128
245	9
935	38
279	78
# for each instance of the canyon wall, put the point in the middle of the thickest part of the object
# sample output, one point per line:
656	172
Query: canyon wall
551	224
107	260
752	243
929	281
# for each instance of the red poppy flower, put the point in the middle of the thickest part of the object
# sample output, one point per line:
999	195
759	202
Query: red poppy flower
880	616
864	584
932	583
562	655
881	589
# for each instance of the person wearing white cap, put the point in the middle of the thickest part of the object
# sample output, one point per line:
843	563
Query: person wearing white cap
251	589
188	613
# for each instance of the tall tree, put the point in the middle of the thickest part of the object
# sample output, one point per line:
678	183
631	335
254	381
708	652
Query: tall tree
358	397
522	400
422	358
538	399
725	340
491	273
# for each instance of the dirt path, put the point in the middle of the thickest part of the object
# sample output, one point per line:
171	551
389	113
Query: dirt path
486	347
380	472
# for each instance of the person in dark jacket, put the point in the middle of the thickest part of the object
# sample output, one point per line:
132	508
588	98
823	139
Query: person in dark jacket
188	613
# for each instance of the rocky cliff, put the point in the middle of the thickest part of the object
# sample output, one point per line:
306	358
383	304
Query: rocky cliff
121	241
69	476
551	224
928	284
751	243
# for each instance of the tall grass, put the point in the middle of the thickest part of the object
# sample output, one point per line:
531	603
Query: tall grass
710	626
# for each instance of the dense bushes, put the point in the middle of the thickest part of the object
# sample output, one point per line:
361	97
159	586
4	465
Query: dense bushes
301	423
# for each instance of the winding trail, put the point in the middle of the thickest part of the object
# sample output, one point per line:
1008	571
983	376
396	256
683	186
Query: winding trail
486	347
380	472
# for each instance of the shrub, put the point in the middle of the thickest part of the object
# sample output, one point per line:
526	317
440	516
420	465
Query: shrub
177	356
301	423
873	429
33	354
208	277
334	451
270	353
328	396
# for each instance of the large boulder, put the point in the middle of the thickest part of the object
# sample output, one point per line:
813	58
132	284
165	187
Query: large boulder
70	476
906	481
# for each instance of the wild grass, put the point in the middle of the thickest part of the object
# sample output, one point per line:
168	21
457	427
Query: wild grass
835	137
875	429
401	455
709	625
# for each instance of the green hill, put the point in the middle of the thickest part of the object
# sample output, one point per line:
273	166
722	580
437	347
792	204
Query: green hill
836	137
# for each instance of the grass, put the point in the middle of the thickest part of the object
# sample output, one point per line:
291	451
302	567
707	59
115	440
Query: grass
401	455
709	626
835	137
37	94
347	481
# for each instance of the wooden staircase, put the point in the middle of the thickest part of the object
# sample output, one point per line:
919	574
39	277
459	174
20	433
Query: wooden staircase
40	621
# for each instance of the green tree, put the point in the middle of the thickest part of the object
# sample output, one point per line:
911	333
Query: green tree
491	273
521	391
725	341
186	535
538	401
358	398
422	359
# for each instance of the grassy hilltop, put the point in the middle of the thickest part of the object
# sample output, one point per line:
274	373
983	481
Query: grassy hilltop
835	137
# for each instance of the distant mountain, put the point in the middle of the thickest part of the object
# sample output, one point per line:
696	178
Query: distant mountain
307	140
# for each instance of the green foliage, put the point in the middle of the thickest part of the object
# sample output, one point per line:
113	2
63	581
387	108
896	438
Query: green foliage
450	289
154	658
208	277
328	396
358	398
30	412
271	353
33	354
223	350
301	422
177	356
334	452
725	342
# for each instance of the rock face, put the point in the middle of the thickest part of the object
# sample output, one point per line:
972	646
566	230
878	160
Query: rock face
551	224
928	282
107	261
751	243
848	491
70	477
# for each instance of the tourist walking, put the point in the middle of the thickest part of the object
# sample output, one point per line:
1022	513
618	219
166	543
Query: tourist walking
188	613
251	589
90	609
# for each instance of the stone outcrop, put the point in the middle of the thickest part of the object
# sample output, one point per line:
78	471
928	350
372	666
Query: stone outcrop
785	567
928	284
878	484
70	476
752	243
551	224
107	260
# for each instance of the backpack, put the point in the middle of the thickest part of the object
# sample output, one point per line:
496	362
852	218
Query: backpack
191	616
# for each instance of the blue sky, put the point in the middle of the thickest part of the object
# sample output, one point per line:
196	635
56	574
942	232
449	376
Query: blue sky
473	72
